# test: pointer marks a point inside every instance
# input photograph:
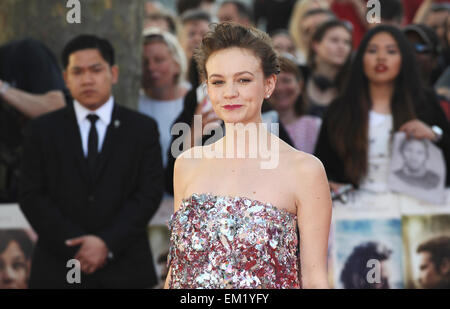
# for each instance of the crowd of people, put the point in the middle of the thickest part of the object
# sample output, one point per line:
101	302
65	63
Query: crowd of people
345	85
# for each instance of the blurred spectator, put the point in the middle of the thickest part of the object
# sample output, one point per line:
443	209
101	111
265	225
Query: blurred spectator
353	11
355	271
283	42
426	46
384	94
287	101
161	19
163	73
16	249
307	16
31	85
392	13
442	87
444	60
195	23
275	13
436	19
237	11
328	61
434	267
184	5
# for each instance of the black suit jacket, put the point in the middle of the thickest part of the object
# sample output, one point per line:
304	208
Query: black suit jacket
60	202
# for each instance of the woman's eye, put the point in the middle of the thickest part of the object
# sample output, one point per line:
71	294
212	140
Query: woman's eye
244	80
217	82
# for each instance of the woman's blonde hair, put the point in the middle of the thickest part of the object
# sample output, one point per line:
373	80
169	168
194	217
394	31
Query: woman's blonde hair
300	8
154	34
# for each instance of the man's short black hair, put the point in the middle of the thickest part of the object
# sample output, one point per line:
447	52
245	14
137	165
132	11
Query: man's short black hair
87	41
391	10
244	10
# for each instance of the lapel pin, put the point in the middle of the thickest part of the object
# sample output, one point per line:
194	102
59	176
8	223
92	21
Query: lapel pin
117	123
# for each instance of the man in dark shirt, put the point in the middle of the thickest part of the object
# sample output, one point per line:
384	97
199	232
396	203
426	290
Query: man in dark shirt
31	85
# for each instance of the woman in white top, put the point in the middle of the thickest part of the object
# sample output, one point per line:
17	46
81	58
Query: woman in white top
384	95
163	82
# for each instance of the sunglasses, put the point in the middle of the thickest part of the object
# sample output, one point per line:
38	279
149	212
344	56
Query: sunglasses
422	48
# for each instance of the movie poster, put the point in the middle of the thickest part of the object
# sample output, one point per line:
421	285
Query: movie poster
367	253
17	241
427	251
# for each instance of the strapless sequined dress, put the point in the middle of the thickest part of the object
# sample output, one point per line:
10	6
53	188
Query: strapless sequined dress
223	242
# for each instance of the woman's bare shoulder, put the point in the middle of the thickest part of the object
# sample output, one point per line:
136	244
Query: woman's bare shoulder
300	162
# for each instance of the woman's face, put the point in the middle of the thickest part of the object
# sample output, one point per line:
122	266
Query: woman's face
382	59
286	92
415	155
282	43
14	268
335	46
236	85
159	67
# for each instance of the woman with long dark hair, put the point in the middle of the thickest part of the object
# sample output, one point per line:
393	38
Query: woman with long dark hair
328	63
384	95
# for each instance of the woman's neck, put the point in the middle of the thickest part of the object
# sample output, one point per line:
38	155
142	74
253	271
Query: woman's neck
168	93
381	97
242	140
327	70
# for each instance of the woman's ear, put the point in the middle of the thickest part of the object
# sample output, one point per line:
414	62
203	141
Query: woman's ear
271	82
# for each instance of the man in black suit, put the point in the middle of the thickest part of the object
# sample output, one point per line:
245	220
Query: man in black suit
91	179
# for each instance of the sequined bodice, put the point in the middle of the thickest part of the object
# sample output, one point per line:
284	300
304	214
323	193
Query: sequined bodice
232	242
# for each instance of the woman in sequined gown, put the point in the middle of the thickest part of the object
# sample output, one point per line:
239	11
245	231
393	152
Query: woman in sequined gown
237	207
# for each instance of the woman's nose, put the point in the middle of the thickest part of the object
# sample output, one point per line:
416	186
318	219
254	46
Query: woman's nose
230	91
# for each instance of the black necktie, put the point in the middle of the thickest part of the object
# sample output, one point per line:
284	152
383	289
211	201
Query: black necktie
92	143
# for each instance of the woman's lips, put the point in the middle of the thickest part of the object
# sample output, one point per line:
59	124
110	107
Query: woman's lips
381	68
232	107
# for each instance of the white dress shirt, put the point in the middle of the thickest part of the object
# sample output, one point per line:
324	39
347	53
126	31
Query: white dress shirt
104	113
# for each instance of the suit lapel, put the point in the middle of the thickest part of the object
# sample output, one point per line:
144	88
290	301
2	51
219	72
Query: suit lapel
72	134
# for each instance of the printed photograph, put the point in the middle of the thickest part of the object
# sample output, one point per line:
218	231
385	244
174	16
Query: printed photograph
417	169
427	251
368	254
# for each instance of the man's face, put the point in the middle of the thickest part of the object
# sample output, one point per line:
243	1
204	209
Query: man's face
415	155
90	78
425	56
192	35
429	276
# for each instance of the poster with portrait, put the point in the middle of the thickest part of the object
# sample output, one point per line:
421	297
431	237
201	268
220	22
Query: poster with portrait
17	240
417	169
426	241
367	253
